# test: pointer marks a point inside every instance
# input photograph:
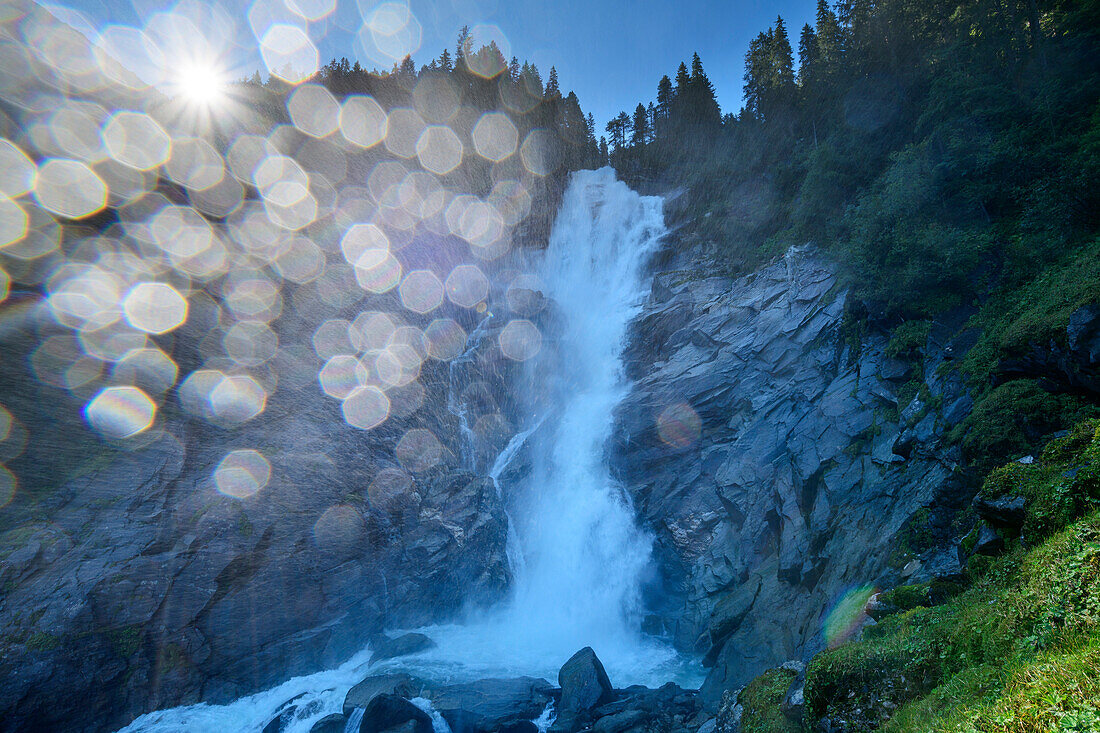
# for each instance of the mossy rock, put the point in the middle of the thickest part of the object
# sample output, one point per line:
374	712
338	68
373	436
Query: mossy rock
761	702
1062	485
1011	420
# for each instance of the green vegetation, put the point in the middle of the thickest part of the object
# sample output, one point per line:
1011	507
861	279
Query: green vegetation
940	149
1008	421
908	340
1015	652
125	641
760	701
42	641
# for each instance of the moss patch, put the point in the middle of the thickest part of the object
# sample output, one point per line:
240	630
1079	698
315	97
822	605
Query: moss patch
761	700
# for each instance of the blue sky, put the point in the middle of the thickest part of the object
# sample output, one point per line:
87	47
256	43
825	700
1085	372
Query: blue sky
610	53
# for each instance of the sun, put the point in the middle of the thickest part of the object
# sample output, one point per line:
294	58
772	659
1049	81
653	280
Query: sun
201	83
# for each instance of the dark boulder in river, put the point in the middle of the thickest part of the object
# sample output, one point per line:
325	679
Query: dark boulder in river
584	685
399	684
392	712
491	705
386	648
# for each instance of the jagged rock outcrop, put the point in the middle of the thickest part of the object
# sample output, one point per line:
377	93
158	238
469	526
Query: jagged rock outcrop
129	582
765	445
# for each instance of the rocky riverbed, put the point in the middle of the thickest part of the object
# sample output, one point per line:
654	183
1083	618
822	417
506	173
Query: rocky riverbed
583	699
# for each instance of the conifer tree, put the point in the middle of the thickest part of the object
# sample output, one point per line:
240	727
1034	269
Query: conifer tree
757	68
532	80
640	126
682	78
829	39
703	105
463	48
782	56
808	55
552	89
664	105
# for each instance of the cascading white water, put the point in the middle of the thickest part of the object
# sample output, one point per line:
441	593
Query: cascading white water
584	552
576	553
583	555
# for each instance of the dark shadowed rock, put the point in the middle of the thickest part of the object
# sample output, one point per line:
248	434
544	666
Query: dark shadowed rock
489	705
620	722
294	709
989	542
387	712
519	726
794	701
638	708
397	683
401	646
1006	511
1084	334
334	723
584	683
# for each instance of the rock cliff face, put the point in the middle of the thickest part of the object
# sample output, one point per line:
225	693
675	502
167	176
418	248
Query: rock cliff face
134	583
765	446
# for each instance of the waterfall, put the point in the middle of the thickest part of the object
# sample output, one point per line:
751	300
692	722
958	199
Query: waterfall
516	562
454	404
584	552
577	554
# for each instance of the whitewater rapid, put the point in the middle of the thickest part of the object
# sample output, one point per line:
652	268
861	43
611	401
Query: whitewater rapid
576	553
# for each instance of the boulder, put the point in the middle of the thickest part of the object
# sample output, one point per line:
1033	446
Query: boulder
584	686
398	683
638	708
294	709
584	683
334	723
402	646
794	701
490	705
620	722
989	542
1006	511
1084	334
387	712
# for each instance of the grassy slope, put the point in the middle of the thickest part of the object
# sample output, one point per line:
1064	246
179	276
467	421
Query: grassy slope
1018	651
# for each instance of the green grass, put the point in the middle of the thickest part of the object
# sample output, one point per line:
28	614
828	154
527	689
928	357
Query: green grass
1030	311
760	701
1016	651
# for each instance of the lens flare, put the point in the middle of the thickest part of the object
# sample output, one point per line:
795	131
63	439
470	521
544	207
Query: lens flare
366	408
120	412
847	615
679	426
418	450
242	473
155	308
520	340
